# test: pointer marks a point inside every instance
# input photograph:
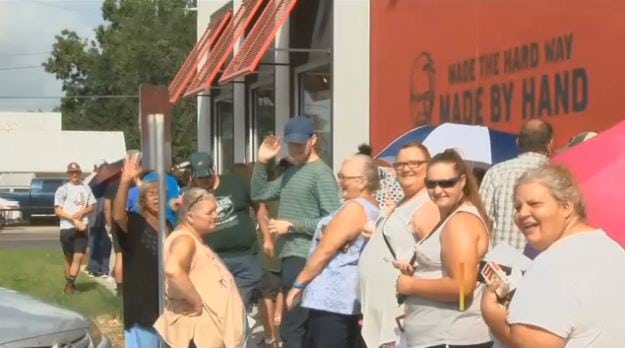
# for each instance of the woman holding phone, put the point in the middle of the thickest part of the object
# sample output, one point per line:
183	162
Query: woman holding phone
447	259
570	297
393	238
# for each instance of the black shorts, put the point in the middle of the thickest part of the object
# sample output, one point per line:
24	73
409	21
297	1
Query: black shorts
270	284
74	242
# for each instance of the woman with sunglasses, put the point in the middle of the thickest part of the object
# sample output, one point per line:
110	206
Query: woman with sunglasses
447	259
392	239
203	307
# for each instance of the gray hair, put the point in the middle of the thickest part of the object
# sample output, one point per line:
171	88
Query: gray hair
143	190
189	199
560	182
369	171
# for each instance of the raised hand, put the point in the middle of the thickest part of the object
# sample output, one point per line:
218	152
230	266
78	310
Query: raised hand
269	148
132	168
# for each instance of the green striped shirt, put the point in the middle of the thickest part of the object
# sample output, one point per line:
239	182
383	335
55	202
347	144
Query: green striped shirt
307	193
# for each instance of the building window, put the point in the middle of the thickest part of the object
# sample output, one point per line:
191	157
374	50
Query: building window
263	116
224	135
315	100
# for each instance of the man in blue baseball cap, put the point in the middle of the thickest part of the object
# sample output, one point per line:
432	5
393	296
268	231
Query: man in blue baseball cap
308	191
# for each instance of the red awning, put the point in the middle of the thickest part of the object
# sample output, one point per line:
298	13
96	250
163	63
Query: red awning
259	39
189	68
222	49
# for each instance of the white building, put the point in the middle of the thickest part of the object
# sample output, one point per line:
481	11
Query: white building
33	144
308	67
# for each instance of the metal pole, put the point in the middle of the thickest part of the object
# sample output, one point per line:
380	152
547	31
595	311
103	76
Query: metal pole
157	141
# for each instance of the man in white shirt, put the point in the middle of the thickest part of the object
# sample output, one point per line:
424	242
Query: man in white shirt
73	203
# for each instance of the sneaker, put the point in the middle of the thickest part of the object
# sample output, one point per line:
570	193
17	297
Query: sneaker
91	274
104	276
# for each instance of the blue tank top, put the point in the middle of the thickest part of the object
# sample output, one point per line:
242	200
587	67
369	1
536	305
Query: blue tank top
335	289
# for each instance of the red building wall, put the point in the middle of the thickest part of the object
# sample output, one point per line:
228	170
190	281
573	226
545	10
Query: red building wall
496	63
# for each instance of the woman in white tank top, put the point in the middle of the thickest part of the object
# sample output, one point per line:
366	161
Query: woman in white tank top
434	314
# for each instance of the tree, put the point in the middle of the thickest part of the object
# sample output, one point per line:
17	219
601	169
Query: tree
140	42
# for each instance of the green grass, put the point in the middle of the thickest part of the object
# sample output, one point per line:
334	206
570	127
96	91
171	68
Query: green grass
39	272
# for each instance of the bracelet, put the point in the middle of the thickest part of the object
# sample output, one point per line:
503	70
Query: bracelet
300	286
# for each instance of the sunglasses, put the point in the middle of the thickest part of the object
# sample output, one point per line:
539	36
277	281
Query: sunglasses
447	183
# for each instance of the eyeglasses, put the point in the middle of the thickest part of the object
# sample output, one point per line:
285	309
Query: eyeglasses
409	164
447	183
347	177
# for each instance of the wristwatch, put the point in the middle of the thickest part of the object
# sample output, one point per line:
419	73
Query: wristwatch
291	229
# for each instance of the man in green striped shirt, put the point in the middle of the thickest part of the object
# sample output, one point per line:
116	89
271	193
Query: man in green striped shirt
307	192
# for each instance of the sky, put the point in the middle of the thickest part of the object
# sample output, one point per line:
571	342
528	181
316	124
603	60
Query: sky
27	31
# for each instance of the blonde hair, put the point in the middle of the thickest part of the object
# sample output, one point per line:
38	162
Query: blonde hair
188	200
560	182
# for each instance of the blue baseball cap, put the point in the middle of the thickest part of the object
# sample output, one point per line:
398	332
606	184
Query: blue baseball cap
299	129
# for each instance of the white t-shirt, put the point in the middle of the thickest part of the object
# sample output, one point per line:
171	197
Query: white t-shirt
574	290
72	198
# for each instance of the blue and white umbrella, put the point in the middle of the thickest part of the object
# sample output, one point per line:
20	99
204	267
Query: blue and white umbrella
477	144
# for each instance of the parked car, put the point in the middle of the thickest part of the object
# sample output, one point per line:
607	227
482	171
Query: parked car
28	322
9	212
38	201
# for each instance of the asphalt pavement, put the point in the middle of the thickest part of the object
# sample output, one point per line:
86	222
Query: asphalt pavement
23	237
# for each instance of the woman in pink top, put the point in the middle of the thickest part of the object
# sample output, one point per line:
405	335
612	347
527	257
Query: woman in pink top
203	306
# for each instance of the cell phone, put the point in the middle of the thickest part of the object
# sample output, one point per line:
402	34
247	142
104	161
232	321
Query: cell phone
492	272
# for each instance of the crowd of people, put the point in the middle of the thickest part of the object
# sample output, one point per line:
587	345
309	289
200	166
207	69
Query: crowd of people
380	256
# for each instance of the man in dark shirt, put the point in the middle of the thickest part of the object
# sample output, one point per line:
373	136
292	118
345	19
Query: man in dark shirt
234	238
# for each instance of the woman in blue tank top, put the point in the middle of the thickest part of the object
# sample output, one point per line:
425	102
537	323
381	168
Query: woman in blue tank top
329	281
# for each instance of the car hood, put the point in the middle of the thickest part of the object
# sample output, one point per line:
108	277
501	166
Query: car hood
23	317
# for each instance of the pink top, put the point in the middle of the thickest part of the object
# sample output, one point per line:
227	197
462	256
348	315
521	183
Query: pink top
222	322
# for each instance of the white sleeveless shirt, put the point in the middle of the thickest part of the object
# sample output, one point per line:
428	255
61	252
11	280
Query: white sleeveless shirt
429	322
